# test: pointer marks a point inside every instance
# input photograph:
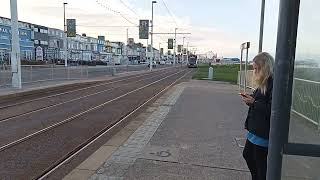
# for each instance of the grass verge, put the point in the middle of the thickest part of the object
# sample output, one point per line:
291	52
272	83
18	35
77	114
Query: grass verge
227	73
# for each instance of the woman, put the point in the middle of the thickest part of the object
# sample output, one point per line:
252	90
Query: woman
258	120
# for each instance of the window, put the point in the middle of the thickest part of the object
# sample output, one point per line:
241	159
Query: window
45	31
4	37
36	30
44	42
36	41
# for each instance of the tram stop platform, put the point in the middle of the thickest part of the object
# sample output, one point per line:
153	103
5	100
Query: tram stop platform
195	131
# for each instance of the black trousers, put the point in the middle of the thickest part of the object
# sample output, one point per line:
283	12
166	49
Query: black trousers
256	158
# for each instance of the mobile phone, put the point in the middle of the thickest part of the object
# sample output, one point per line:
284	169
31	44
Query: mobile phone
243	95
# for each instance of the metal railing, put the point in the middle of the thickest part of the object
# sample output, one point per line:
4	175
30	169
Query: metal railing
306	100
305	96
249	79
41	73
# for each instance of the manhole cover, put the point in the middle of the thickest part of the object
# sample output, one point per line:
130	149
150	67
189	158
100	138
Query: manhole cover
162	154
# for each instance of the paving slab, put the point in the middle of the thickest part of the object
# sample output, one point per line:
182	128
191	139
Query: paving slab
119	138
79	174
160	170
97	158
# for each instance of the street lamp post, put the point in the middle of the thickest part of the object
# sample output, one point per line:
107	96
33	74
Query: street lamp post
127	57
175	43
65	48
187	52
261	25
15	55
159	52
152	55
183	50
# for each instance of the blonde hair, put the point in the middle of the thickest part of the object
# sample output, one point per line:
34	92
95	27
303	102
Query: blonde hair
265	63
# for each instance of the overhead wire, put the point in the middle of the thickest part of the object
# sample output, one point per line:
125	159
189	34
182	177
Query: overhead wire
119	13
174	20
128	7
100	26
114	11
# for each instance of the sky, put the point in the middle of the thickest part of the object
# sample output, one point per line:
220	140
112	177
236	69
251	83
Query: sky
220	26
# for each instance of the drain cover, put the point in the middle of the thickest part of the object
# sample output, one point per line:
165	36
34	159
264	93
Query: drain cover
162	154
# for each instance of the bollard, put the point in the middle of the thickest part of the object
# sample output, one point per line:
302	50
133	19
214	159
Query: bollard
210	75
113	72
52	72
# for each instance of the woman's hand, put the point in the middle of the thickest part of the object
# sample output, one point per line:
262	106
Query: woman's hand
249	100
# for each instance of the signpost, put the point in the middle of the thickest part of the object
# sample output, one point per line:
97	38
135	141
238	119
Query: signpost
244	46
71	28
144	29
179	48
170	43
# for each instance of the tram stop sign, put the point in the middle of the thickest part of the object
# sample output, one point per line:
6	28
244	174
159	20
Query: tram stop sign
144	29
245	45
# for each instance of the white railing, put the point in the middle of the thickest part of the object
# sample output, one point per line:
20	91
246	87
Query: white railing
306	100
305	96
249	79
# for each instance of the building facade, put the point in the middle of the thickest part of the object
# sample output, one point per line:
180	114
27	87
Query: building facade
94	48
26	40
56	45
41	42
47	44
135	52
101	44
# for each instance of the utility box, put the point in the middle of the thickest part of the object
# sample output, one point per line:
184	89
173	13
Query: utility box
210	75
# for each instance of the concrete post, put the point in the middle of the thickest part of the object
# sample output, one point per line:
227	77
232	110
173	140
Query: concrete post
15	54
65	40
152	55
175	43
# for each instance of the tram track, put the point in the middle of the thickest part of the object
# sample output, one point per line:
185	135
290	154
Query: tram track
10	111
42	151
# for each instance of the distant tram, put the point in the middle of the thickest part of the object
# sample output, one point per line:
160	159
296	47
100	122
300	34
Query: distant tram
192	61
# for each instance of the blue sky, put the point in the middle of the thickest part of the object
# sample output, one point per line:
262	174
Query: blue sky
216	25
